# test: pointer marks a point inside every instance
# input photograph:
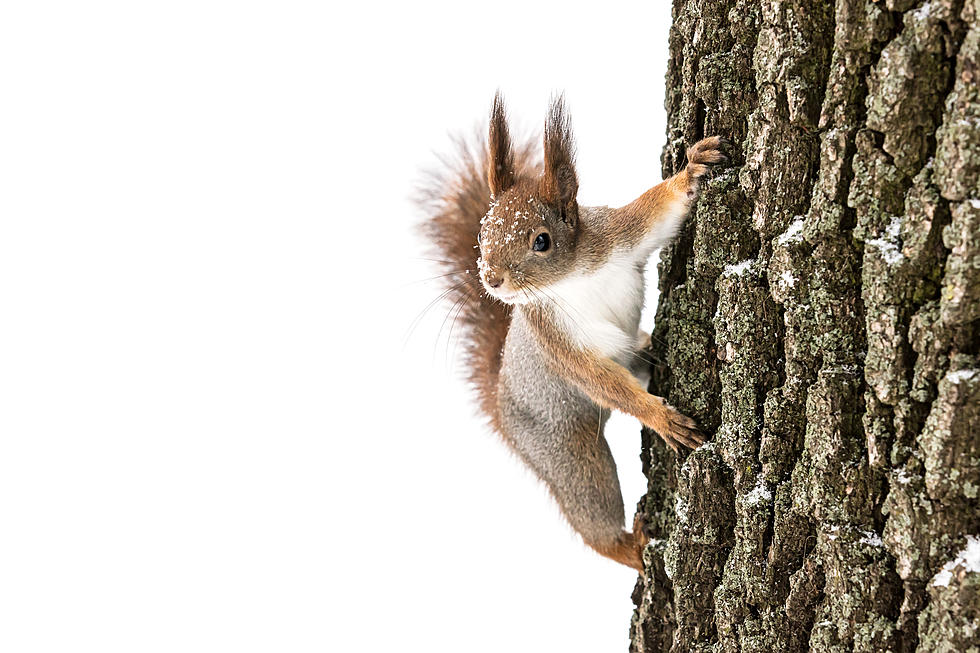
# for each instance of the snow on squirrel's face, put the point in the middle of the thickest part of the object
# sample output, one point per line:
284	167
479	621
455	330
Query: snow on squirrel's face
525	246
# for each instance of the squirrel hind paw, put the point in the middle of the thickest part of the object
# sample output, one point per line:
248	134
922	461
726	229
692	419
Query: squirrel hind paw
626	549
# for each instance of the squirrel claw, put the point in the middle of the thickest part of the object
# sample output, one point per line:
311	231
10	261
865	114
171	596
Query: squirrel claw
681	430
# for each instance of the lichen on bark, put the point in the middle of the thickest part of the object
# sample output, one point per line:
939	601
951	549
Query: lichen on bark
820	316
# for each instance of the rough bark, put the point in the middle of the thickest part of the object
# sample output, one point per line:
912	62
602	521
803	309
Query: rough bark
820	317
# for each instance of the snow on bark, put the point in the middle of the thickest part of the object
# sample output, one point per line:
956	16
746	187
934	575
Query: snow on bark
820	317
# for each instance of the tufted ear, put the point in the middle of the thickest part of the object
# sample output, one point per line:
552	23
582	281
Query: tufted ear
500	164
560	183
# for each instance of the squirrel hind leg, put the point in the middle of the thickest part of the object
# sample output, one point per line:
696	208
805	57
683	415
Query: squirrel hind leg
566	448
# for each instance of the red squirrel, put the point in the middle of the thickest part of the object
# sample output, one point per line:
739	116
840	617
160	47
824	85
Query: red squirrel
549	295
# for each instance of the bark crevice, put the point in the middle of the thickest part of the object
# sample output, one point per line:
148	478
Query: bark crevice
820	317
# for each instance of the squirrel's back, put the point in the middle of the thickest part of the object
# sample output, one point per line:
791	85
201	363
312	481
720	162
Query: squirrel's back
454	200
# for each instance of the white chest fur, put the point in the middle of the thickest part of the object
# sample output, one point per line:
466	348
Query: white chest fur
601	311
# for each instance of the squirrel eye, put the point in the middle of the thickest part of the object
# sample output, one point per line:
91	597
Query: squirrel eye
542	242
479	239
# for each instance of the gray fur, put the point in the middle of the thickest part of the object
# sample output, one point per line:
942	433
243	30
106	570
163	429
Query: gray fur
557	430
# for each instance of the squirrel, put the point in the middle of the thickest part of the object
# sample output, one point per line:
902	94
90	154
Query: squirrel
548	296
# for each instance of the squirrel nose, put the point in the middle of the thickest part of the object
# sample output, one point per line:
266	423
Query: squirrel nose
494	282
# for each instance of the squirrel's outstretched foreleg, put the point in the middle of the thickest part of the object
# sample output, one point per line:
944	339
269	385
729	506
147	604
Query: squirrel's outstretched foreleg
654	217
611	385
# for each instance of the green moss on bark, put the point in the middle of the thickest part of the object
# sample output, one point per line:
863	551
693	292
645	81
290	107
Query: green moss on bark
820	317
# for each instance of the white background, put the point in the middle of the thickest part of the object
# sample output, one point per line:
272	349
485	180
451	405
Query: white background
217	431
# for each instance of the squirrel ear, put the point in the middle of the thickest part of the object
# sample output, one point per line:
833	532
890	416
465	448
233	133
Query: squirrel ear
560	183
500	164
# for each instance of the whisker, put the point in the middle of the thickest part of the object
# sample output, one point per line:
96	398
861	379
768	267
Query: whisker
443	326
433	260
434	278
557	301
459	311
418	318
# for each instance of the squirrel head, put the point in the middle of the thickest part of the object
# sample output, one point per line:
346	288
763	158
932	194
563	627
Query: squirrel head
527	238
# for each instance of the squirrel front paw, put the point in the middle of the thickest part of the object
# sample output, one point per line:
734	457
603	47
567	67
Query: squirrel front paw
703	154
675	428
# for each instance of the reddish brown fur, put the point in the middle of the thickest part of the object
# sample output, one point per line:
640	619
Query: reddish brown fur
559	184
611	385
638	218
455	206
627	549
500	159
635	220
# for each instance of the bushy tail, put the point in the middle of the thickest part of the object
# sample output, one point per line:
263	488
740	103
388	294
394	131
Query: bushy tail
453	201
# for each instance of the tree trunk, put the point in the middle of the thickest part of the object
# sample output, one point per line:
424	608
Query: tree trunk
820	317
